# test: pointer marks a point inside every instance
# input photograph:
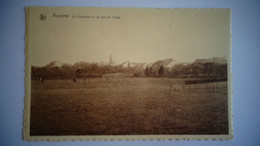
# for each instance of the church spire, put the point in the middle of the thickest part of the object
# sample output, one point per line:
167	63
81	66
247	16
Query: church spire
110	59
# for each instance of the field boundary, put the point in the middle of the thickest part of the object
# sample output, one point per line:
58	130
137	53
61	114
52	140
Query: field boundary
198	86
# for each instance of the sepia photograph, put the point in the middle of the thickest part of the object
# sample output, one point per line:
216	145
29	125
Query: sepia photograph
127	73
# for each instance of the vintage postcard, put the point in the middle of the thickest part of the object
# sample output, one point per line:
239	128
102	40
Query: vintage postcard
127	74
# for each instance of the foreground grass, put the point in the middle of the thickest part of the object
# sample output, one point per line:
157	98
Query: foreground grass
126	106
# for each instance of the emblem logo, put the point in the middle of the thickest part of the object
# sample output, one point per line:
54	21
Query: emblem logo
43	17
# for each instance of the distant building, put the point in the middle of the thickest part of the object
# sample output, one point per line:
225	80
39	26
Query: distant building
110	62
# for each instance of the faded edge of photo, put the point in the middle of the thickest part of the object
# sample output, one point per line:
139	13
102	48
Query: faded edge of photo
26	128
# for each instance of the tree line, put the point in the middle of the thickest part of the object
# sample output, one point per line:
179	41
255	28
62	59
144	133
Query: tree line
91	70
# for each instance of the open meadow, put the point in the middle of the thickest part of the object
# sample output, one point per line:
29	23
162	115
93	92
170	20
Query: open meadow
127	106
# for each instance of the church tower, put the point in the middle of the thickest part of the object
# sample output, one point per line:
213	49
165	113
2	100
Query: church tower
110	60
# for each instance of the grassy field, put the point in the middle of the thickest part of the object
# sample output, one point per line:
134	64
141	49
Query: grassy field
127	106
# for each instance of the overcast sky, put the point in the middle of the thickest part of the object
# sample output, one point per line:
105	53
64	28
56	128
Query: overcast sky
140	35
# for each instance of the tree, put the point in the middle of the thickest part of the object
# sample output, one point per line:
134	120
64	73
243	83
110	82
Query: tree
151	72
147	71
177	70
196	69
208	69
161	71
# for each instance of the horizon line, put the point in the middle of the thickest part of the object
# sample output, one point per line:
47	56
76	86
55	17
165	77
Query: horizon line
107	62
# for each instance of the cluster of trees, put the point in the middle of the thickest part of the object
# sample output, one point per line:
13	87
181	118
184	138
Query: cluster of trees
51	73
89	70
199	70
93	70
153	72
190	70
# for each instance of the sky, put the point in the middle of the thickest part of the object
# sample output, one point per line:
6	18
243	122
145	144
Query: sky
72	35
